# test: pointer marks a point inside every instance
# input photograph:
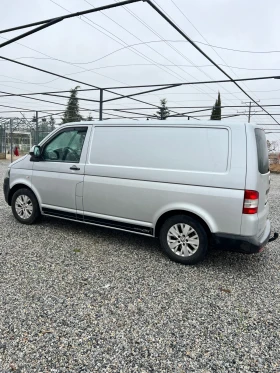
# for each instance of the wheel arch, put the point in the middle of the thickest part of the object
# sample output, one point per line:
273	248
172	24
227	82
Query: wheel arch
17	187
175	212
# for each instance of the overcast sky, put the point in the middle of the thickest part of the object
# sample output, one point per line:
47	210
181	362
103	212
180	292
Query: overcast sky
102	43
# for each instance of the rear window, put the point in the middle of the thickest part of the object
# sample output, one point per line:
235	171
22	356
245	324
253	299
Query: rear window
262	151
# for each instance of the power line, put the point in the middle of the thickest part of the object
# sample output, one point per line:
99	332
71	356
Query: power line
85	70
120	41
198	107
162	39
171	85
167	43
133	49
70	15
206	41
230	80
66	91
73	80
68	63
169	93
150	42
56	103
239	50
184	55
33	98
128	96
205	55
146	64
48	24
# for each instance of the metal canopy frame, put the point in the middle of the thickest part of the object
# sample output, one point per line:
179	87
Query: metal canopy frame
155	87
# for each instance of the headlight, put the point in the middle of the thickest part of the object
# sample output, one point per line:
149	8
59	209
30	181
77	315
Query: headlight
7	174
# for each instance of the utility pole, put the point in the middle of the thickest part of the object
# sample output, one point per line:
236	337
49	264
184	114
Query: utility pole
249	116
37	129
5	140
250	106
101	105
11	139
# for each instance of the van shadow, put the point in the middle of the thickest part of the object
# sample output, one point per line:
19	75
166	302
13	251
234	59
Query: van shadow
110	236
223	260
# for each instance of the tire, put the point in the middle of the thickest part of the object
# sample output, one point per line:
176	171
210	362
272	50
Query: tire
25	206
175	234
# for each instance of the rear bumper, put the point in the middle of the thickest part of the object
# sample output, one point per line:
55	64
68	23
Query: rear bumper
243	244
6	189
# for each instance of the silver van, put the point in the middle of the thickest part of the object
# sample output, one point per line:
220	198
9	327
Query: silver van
191	184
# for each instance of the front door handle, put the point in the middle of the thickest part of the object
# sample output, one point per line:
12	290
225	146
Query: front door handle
74	168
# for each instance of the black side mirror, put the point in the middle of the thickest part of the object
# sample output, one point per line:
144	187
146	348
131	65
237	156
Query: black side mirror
35	153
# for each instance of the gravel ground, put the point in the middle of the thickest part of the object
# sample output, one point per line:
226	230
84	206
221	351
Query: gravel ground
77	298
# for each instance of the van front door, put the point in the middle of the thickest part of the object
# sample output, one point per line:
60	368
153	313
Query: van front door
58	176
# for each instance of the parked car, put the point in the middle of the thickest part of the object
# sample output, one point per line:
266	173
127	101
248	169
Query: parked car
188	183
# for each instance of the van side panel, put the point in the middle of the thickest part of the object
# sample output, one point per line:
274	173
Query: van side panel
140	172
147	201
206	156
203	150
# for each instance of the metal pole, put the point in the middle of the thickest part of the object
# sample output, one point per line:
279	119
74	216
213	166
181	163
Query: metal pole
11	139
5	140
70	79
249	117
144	92
10	41
77	14
164	16
101	105
37	127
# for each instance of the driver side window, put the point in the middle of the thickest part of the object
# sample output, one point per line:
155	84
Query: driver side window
67	146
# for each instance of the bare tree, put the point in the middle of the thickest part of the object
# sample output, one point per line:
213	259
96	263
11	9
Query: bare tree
271	146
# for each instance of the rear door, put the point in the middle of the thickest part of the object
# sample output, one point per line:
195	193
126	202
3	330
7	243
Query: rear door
263	178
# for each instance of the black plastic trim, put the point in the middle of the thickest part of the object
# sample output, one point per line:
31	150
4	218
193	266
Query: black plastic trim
275	237
98	221
60	213
246	245
118	224
6	189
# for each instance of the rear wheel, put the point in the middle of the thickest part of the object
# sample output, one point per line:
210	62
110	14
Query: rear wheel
183	239
25	206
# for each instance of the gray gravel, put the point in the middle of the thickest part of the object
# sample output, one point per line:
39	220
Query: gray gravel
77	298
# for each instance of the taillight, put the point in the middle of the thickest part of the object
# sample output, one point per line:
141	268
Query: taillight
251	202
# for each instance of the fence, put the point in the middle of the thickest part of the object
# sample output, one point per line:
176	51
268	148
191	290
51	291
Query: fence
20	133
2	142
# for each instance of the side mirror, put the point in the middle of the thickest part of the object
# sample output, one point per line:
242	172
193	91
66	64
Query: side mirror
37	151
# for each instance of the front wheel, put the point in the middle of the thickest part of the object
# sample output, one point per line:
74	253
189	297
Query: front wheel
25	206
183	239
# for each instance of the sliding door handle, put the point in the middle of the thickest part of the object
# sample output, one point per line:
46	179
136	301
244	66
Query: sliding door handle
74	168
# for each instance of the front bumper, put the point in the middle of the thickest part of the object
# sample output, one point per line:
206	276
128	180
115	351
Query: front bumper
6	189
244	244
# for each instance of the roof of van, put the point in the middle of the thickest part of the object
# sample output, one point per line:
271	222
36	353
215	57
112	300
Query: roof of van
167	122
